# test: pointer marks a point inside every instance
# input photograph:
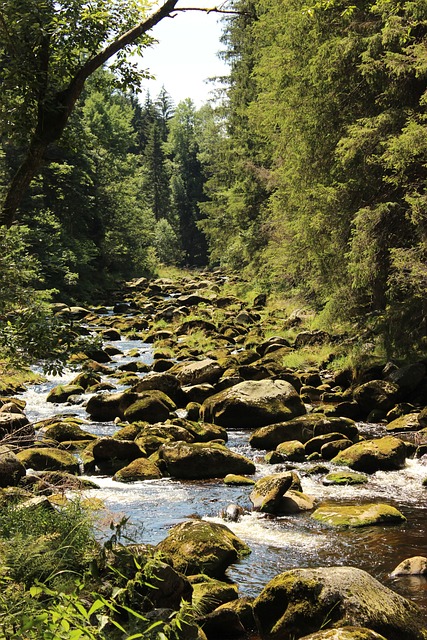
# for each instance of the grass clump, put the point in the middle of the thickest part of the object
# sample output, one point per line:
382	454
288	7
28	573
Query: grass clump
41	543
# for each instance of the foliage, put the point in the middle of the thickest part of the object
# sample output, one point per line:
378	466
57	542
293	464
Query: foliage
166	243
316	174
186	182
45	544
51	587
27	328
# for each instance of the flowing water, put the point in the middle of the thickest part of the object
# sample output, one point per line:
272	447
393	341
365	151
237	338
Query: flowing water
279	543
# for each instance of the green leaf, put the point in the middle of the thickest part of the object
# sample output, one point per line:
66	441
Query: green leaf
98	604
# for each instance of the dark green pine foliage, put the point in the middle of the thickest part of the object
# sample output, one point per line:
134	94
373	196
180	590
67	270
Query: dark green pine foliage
236	164
186	182
318	179
156	182
90	222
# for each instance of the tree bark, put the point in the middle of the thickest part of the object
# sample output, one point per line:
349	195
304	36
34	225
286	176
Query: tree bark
53	120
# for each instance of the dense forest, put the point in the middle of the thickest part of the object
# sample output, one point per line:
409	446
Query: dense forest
308	176
260	265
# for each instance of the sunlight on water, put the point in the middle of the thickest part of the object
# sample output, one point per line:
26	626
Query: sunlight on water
403	486
255	528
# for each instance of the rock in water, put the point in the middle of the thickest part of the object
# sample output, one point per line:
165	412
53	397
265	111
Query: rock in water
416	566
194	461
253	404
303	601
202	547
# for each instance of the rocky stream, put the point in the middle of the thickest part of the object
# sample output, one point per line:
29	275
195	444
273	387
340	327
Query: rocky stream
187	421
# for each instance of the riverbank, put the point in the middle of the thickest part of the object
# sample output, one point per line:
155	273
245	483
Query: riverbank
187	365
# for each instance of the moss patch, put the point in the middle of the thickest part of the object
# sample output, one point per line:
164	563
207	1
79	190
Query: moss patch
358	515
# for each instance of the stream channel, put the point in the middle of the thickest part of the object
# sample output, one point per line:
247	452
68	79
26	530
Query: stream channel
278	543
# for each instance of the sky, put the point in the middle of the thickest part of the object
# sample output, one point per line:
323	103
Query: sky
186	55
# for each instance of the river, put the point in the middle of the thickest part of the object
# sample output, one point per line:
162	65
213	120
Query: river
277	543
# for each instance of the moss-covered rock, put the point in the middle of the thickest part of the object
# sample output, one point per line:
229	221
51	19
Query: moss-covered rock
345	633
110	455
243	607
345	478
203	431
337	424
11	468
139	469
165	382
66	431
385	454
303	429
209	593
150	406
268	494
198	372
376	394
332	449
86	379
292	450
203	460
358	515
252	404
105	407
42	459
16	427
408	422
303	601
317	442
270	436
61	393
130	431
236	480
202	547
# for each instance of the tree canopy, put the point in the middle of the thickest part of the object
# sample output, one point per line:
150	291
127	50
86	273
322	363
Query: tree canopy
48	50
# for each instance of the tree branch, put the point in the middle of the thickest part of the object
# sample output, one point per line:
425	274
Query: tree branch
53	117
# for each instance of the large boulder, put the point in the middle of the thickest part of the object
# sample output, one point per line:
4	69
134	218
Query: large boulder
408	422
150	406
15	428
365	515
345	633
202	547
203	460
11	469
377	394
61	393
105	407
253	404
108	449
204	431
198	372
66	431
48	459
165	382
303	428
268	494
382	454
408	378
303	601
210	593
139	469
292	450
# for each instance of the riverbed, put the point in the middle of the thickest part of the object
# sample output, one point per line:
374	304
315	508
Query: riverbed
277	543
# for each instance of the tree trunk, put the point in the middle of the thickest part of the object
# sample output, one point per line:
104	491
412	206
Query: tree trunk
21	181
